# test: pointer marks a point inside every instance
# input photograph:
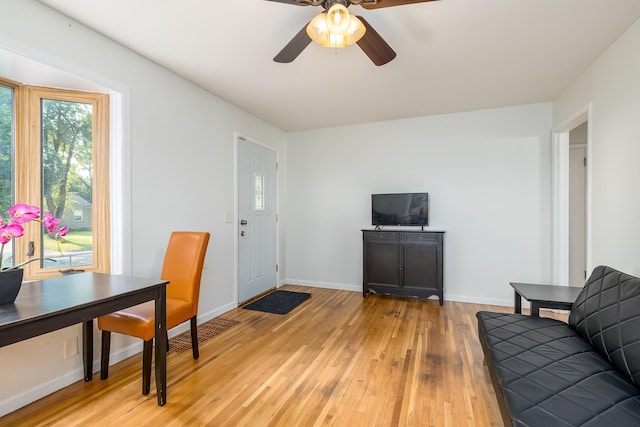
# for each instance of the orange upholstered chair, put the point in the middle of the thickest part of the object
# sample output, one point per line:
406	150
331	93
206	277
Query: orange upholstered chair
183	263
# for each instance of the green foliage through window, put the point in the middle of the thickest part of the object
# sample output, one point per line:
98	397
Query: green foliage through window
67	153
6	148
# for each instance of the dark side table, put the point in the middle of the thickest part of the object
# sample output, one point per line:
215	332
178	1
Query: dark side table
544	296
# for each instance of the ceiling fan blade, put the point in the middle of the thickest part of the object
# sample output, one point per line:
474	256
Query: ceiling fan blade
294	47
374	45
294	2
387	3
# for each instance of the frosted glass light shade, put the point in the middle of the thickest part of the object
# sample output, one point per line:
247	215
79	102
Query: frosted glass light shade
318	30
355	32
338	19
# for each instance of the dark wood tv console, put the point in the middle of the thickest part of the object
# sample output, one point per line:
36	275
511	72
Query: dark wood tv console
403	263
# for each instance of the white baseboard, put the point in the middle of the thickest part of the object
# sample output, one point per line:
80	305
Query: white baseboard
326	285
482	300
447	297
29	396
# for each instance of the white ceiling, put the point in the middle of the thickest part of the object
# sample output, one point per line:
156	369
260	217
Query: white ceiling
452	55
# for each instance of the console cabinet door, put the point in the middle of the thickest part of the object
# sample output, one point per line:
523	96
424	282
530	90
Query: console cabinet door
379	257
419	266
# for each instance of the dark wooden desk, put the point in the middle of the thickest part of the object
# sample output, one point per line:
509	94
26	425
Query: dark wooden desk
47	305
544	296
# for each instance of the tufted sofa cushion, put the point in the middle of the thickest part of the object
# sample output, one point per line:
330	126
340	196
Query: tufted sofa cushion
607	315
546	375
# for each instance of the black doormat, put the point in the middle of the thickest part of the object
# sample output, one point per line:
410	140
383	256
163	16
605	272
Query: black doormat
278	302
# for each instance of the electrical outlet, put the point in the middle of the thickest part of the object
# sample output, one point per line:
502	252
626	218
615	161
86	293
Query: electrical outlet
70	347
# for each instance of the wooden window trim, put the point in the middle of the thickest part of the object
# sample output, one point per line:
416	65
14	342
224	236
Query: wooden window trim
28	170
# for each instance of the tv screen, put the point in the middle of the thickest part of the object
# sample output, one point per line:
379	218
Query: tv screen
400	209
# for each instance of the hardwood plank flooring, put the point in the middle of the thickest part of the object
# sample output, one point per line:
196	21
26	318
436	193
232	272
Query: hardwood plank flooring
336	360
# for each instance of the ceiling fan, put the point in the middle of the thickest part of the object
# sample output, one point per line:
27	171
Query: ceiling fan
336	27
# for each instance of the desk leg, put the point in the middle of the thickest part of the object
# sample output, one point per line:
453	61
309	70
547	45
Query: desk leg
535	309
161	345
518	302
87	349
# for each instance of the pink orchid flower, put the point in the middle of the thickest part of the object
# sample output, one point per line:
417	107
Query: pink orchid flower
21	213
49	222
10	231
62	232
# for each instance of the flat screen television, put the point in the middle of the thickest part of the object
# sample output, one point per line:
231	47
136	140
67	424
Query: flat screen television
400	209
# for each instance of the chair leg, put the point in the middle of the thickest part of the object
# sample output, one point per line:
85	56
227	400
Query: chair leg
194	338
147	352
166	337
104	358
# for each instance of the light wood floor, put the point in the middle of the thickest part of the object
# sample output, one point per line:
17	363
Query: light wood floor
336	360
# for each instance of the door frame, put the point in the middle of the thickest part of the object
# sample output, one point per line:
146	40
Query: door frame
560	195
237	136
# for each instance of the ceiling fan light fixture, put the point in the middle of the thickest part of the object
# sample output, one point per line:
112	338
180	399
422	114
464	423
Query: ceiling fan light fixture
319	30
355	32
338	19
335	40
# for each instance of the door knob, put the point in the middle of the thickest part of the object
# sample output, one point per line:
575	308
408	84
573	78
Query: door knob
243	222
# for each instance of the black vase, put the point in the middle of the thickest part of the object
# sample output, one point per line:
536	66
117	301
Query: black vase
10	282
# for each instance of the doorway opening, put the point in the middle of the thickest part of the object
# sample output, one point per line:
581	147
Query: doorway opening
571	259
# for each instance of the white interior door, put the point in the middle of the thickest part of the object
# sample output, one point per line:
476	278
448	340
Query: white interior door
257	220
577	214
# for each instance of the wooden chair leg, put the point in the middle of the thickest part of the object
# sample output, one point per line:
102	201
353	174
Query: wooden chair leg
104	357
166	337
147	352
194	338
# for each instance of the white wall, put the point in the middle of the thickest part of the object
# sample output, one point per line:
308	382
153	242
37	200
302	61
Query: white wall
612	85
178	173
487	175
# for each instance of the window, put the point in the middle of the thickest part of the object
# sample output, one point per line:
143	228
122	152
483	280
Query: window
259	201
61	161
6	154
